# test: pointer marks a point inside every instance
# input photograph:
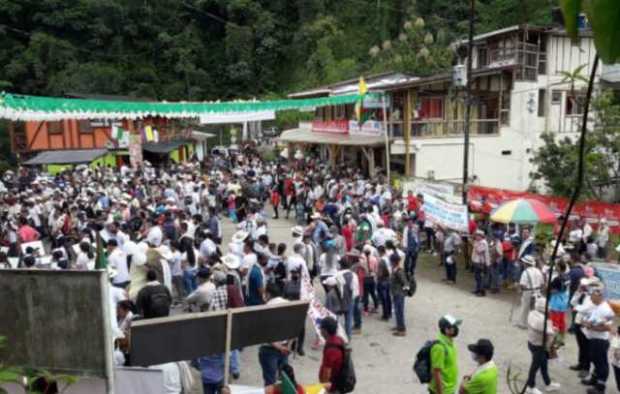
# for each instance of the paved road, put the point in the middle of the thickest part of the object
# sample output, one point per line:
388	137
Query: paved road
384	363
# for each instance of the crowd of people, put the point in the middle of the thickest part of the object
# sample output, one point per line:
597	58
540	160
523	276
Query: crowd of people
159	232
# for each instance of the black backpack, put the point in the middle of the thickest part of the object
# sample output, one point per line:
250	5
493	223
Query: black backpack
159	302
422	363
345	381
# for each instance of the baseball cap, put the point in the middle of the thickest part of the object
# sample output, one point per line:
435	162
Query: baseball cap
483	347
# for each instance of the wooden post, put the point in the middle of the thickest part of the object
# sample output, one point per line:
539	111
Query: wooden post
227	352
387	138
12	136
407	132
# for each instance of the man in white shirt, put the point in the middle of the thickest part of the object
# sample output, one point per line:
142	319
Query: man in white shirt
348	282
531	283
117	259
596	328
208	247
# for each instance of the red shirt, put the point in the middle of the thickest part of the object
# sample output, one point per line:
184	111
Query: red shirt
27	233
347	233
509	251
412	203
472	226
333	357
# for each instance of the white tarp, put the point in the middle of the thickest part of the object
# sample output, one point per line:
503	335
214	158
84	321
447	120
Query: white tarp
237	117
446	214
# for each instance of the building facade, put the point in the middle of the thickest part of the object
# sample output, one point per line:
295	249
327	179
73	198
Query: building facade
519	91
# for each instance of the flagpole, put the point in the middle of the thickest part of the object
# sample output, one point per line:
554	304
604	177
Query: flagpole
387	138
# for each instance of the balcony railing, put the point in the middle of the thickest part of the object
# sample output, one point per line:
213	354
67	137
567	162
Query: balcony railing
451	128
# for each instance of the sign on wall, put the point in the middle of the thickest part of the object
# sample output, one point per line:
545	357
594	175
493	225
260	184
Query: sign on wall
331	126
369	127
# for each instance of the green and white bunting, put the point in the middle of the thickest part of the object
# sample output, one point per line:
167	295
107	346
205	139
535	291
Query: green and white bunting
35	108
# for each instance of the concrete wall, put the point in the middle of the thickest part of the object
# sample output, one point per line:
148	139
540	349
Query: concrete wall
56	320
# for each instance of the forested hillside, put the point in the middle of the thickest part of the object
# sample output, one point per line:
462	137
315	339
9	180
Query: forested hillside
209	49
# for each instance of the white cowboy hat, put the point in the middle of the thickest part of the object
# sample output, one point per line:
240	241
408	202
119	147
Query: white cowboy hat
231	261
528	260
297	231
240	236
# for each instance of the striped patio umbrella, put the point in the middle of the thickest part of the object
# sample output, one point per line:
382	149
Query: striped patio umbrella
523	211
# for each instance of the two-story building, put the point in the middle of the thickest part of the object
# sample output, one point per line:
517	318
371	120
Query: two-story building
59	144
518	91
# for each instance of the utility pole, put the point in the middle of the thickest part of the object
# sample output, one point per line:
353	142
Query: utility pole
470	49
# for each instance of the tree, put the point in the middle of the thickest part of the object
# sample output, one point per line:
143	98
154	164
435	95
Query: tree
558	156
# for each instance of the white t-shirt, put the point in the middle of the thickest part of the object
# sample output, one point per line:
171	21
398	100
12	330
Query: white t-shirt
172	377
249	260
118	261
532	279
329	270
294	263
600	314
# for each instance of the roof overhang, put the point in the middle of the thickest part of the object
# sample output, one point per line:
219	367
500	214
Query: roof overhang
70	156
310	137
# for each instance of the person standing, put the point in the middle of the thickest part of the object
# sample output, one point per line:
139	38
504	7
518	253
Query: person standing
272	356
118	260
602	238
450	247
154	299
582	306
484	378
596	329
349	283
333	354
480	259
399	287
383	284
540	354
444	367
531	283
410	245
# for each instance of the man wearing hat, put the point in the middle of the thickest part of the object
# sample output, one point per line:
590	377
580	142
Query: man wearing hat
531	283
484	378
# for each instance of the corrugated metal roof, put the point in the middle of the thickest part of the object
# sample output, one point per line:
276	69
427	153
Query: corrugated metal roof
73	156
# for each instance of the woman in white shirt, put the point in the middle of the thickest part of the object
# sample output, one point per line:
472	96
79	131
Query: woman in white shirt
86	258
329	262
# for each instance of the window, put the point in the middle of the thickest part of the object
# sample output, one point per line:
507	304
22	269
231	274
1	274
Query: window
431	108
556	97
542	104
84	126
575	104
54	127
483	57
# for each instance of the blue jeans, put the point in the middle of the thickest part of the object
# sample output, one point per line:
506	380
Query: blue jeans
492	277
478	276
399	311
411	259
516	271
348	319
212	388
386	302
189	280
234	362
357	314
271	360
506	270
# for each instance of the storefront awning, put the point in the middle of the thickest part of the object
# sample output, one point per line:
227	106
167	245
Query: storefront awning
34	108
72	156
201	135
310	137
164	147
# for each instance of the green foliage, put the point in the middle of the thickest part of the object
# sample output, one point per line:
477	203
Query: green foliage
558	156
26	377
219	49
604	16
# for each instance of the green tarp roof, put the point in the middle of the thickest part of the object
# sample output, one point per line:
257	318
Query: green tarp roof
28	108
